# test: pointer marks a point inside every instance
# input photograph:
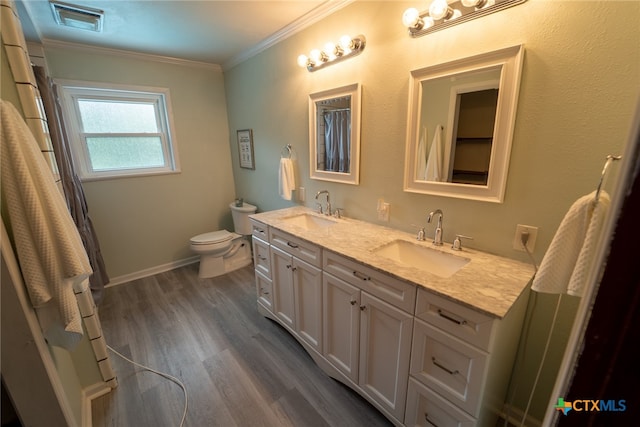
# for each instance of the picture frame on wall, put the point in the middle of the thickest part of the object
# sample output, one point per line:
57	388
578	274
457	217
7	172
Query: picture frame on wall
245	149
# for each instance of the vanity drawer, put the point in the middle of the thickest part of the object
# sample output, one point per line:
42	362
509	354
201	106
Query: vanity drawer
445	364
259	229
264	289
261	258
428	409
297	247
462	322
389	289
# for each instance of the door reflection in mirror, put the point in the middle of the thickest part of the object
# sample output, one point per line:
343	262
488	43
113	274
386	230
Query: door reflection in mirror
467	103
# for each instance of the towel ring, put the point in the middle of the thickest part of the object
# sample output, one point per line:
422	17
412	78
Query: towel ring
610	158
287	153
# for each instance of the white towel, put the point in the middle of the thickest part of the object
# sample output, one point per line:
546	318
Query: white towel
434	162
52	257
566	264
286	178
421	161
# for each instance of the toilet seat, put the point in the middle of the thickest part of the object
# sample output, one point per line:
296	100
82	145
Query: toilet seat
211	237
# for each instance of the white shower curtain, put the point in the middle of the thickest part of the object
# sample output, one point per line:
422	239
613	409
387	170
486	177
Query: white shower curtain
337	140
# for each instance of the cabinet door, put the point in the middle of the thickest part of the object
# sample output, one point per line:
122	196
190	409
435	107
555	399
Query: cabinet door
385	346
307	282
283	294
341	325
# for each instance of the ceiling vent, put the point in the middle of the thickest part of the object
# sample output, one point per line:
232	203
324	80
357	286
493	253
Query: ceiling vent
74	16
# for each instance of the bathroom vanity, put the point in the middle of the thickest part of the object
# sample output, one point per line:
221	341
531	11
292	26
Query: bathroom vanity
427	335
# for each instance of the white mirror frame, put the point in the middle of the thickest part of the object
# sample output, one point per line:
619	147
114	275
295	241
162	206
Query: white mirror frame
353	177
510	60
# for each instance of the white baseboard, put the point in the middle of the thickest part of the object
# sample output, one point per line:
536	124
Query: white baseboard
515	417
151	271
88	394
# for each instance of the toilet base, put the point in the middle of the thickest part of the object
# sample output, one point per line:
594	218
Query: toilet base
238	256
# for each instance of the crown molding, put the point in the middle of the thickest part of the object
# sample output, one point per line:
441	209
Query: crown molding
310	18
48	43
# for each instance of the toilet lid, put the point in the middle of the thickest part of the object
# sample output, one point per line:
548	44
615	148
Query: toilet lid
212	237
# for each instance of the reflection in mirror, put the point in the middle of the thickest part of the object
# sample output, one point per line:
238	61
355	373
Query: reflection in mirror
334	134
466	105
461	117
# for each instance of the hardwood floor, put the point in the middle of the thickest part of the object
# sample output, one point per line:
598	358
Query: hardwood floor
239	368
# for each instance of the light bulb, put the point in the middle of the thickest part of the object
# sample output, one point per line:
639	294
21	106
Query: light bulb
303	61
470	3
410	17
315	55
429	22
345	43
456	14
439	9
330	50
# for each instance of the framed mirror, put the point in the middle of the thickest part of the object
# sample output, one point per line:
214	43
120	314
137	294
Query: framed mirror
334	134
460	126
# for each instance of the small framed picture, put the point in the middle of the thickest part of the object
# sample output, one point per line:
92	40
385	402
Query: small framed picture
245	149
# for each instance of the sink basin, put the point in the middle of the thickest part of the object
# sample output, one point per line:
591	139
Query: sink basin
424	258
309	222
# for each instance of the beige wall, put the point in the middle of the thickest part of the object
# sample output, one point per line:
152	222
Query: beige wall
145	222
578	92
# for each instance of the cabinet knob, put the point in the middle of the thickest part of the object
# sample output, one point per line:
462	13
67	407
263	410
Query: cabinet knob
363	307
353	302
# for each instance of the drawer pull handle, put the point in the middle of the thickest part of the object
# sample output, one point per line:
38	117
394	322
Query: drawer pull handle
259	230
450	318
262	258
444	368
361	276
292	245
426	418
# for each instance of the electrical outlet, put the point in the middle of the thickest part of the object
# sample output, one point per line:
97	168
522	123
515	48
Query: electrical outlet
301	194
531	242
383	210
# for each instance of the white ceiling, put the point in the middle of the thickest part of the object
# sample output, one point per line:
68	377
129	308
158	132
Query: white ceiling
211	31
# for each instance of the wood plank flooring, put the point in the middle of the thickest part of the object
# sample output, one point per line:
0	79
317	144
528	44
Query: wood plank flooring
239	368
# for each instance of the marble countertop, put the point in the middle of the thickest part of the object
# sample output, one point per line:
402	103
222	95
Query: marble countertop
488	283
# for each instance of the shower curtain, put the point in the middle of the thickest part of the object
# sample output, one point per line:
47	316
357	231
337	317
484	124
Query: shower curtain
337	140
73	192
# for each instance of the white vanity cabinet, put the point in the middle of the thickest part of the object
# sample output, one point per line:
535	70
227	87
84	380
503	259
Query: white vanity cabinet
297	286
262	264
368	337
461	363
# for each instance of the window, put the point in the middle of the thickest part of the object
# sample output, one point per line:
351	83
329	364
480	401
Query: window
119	131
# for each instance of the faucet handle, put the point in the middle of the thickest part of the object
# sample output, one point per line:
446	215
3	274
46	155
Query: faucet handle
457	243
319	207
337	213
421	233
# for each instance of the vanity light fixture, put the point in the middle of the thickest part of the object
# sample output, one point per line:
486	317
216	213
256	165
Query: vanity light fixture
443	14
332	53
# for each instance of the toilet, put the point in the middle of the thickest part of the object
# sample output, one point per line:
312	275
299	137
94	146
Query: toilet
222	251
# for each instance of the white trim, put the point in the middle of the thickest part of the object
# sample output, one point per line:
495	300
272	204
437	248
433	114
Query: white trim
151	271
89	393
515	417
48	43
310	18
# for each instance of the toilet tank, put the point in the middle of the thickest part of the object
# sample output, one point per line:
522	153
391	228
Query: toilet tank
240	215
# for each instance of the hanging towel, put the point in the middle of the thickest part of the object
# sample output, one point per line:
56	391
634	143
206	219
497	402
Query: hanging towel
434	161
286	178
52	258
566	264
421	161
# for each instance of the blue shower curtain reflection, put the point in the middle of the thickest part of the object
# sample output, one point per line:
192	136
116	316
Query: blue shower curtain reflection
337	140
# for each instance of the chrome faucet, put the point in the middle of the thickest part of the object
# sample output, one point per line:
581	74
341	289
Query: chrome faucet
437	238
327	211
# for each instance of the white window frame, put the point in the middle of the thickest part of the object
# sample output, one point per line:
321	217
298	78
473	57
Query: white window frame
72	90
